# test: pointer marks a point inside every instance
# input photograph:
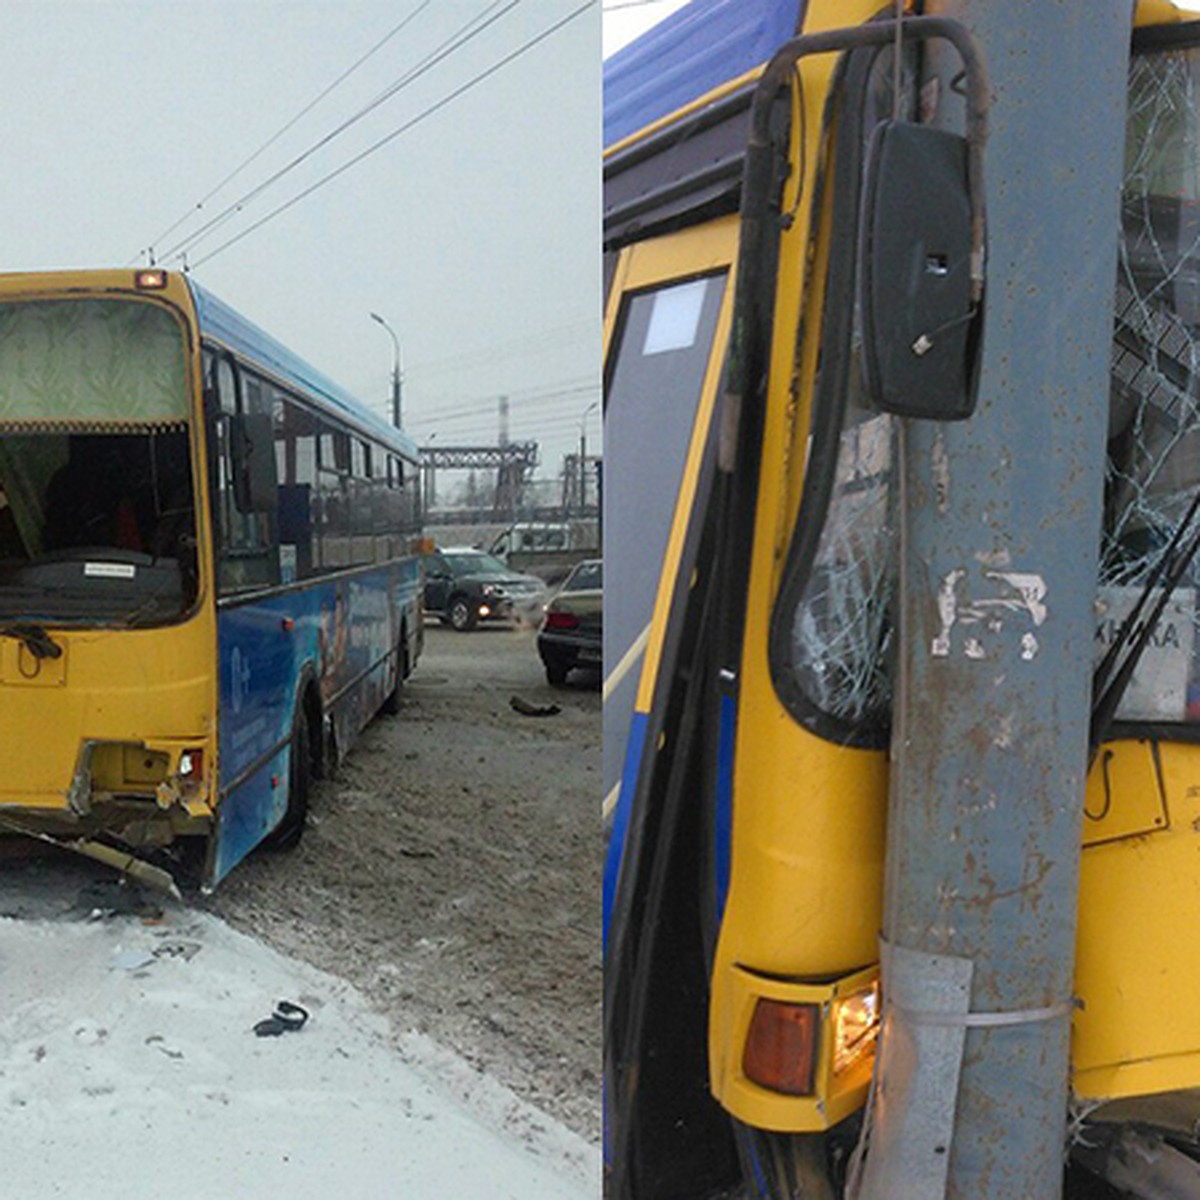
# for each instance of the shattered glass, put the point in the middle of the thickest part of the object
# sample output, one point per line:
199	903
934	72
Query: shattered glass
841	632
1153	465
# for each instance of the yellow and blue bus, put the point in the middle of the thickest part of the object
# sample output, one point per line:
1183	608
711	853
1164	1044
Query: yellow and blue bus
751	518
208	577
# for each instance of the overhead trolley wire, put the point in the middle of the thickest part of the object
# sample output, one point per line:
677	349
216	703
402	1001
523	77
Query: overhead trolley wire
464	34
543	342
404	128
199	205
487	404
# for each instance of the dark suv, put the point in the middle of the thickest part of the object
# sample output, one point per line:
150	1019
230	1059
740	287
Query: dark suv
464	587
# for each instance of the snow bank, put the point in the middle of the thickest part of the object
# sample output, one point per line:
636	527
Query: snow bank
129	1066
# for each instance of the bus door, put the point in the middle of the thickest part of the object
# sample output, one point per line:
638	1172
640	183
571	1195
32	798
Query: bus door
667	315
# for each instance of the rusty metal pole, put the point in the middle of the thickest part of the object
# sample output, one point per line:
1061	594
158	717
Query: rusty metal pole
1000	533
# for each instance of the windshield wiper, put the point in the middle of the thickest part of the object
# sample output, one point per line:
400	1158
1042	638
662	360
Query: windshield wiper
34	638
1109	686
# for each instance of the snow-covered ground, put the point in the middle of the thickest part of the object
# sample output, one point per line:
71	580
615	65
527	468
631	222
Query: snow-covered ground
129	1067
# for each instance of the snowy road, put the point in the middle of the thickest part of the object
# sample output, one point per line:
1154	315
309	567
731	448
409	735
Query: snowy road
129	1066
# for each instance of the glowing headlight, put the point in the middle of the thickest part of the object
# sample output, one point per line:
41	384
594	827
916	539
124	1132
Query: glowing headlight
855	1026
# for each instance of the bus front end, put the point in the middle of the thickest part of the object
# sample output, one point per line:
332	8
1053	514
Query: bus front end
107	631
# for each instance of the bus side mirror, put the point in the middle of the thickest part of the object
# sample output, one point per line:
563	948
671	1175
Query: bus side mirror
921	331
253	446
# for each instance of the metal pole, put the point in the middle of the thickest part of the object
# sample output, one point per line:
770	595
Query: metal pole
1000	526
396	413
583	454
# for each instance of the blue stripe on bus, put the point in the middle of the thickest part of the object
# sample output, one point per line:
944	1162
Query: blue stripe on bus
723	818
616	842
697	48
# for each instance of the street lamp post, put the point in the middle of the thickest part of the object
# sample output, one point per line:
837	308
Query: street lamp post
395	368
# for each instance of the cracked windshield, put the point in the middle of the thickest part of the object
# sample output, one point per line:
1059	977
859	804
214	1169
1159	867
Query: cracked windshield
840	631
1154	420
96	506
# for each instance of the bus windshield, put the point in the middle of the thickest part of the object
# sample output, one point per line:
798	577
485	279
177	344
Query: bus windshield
97	516
1154	422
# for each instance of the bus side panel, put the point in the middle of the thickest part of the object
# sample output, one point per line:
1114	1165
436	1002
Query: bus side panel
347	630
260	663
370	611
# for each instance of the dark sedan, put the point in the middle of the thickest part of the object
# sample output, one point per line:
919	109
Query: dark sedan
572	628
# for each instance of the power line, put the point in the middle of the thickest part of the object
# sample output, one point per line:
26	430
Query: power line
567	399
199	205
428	112
464	34
487	404
541	342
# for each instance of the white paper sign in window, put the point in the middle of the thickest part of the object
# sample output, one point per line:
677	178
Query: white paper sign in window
1158	690
675	318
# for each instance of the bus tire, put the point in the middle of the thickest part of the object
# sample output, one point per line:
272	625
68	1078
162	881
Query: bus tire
287	834
463	617
391	702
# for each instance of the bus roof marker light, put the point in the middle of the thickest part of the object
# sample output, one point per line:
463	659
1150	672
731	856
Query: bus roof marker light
152	280
781	1047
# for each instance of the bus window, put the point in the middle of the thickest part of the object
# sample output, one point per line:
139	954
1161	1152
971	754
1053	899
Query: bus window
361	509
247	557
333	491
659	361
296	448
831	631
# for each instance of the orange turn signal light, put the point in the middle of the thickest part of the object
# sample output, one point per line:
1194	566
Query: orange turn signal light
781	1047
151	280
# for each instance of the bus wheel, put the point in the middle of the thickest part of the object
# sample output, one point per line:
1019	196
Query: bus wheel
289	831
462	614
391	702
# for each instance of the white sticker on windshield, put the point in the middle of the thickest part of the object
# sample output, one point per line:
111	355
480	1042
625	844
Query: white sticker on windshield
107	570
675	318
1158	689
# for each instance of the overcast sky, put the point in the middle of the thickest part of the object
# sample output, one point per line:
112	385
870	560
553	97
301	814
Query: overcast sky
475	233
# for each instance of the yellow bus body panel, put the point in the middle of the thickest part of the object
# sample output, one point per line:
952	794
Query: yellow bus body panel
1138	954
130	687
806	870
803	909
136	687
809	818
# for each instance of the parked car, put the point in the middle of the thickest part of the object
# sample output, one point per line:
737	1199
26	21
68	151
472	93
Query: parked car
572	628
464	586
